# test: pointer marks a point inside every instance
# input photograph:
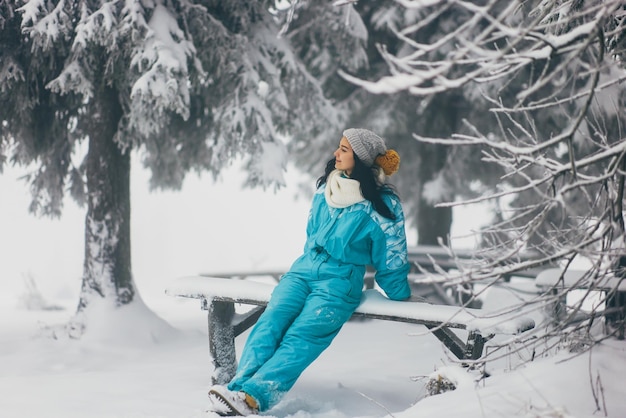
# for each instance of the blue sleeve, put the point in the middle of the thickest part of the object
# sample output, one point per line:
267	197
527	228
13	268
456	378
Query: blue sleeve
389	254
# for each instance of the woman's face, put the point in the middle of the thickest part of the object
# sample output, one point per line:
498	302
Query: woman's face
344	156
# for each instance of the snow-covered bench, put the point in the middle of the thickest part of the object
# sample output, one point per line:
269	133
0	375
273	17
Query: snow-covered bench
558	283
219	295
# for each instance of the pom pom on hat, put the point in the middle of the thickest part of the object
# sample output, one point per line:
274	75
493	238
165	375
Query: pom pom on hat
389	162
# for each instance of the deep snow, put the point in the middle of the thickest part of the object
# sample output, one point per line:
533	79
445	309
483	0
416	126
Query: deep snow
132	363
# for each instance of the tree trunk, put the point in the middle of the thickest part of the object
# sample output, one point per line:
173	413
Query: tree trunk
107	266
441	121
433	224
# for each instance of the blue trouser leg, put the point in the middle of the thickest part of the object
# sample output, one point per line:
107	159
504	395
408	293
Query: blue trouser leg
285	305
272	362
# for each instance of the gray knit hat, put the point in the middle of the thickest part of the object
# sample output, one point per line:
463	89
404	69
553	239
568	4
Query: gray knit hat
365	144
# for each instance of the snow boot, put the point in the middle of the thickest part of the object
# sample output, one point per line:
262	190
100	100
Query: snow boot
232	404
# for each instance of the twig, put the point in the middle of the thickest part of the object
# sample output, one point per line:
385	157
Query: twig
341	385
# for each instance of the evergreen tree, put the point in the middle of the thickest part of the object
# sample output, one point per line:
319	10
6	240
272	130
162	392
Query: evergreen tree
189	85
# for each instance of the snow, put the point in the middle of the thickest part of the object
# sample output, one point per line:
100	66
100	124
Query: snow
163	61
150	359
372	302
437	189
137	364
72	79
580	278
391	84
418	4
199	287
31	10
269	163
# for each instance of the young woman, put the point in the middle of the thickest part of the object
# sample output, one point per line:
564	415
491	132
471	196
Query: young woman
355	220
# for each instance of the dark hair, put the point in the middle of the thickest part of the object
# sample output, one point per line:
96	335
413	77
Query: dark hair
370	189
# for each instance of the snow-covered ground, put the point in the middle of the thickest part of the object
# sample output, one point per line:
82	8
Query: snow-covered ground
136	364
153	362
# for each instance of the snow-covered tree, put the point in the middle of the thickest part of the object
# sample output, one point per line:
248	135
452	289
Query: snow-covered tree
551	73
190	85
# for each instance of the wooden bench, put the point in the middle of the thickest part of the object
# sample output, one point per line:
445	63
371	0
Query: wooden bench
558	283
427	286
219	295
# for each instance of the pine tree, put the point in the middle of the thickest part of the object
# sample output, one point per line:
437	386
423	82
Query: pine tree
188	85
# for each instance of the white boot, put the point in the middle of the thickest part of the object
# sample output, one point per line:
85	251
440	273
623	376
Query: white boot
228	403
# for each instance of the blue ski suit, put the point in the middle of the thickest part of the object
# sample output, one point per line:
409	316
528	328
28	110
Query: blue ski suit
320	292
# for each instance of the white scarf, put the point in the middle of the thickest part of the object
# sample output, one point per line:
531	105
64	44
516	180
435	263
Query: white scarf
341	191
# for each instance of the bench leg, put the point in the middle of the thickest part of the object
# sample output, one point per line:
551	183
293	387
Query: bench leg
222	341
450	340
472	350
474	346
615	320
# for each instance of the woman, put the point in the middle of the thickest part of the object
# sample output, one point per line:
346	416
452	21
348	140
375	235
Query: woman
355	220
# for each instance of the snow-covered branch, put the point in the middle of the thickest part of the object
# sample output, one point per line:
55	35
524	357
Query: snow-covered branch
547	81
486	46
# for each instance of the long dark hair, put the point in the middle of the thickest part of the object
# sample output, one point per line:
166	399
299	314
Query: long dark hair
370	189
